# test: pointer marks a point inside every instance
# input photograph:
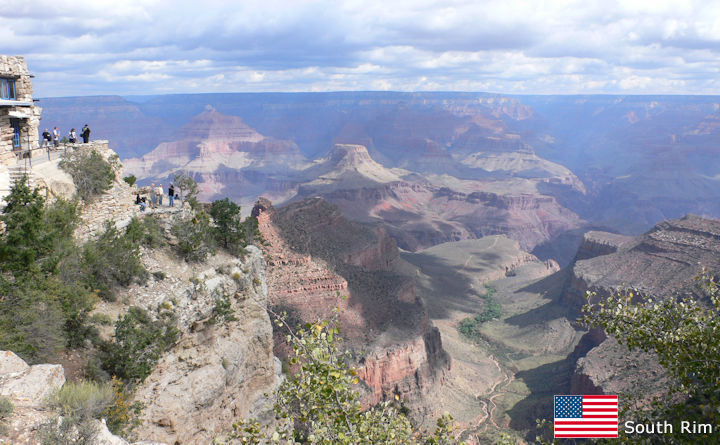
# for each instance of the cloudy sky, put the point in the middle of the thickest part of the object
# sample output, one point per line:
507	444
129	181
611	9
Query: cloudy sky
507	46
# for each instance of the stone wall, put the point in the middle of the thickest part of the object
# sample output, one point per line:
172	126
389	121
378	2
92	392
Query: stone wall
14	67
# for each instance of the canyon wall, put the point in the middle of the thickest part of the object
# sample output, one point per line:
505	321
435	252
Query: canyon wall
315	255
664	261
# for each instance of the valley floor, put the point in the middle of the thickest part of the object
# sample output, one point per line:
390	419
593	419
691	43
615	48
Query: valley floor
505	379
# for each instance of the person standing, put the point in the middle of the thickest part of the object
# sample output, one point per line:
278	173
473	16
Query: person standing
72	136
56	137
153	197
46	138
171	194
85	134
159	192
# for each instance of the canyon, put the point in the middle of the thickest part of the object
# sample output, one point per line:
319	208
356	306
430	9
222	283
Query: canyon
640	159
412	206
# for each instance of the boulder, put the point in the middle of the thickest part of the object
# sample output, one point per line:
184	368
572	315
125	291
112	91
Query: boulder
32	386
11	363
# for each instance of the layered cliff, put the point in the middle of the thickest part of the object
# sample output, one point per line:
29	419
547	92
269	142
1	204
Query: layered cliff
315	255
217	373
420	211
664	261
225	155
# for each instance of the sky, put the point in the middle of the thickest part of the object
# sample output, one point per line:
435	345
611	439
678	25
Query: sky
133	47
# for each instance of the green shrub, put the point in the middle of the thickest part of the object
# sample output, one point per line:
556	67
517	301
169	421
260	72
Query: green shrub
188	189
42	308
470	326
91	173
6	407
228	229
130	180
222	311
148	231
159	275
68	431
25	239
32	323
139	343
101	319
194	235
78	403
83	399
111	260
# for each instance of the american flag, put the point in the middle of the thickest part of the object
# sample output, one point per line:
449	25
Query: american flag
586	416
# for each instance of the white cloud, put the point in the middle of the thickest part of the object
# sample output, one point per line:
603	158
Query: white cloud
513	46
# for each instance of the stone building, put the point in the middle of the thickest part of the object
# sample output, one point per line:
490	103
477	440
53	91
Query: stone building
19	117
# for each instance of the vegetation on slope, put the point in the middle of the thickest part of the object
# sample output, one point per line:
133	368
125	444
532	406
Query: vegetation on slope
685	336
319	403
91	173
470	326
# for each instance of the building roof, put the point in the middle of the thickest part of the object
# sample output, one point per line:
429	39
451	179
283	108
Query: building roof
14	103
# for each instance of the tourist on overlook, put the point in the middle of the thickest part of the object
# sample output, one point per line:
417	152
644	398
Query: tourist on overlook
159	192
72	136
140	201
46	138
171	194
153	197
85	134
56	137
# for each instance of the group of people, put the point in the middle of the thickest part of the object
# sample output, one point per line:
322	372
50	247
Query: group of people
54	137
156	194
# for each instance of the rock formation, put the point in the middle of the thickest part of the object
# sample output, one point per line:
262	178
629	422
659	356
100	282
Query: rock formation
662	262
423	211
28	388
315	254
217	373
224	155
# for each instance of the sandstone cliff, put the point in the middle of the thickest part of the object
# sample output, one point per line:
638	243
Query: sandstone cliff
315	254
217	373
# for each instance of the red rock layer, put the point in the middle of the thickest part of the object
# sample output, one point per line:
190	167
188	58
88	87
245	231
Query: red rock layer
383	319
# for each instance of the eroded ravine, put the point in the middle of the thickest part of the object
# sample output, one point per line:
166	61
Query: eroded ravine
482	386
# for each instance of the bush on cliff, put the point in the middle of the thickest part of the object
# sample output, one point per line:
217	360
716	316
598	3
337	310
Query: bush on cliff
139	342
35	233
195	238
91	173
111	260
188	189
320	404
685	336
147	232
40	311
228	230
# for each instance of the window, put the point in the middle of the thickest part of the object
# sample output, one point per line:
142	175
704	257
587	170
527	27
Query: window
15	123
7	89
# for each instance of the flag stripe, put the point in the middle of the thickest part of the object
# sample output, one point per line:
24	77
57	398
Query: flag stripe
586	416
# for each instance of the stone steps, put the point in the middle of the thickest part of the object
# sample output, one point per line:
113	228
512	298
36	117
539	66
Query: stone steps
16	173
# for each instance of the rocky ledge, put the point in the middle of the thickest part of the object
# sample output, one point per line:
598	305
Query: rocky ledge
27	388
